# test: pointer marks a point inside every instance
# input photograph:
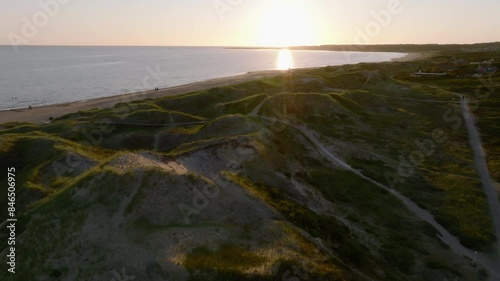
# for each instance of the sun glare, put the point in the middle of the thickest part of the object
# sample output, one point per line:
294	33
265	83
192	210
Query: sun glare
285	24
285	60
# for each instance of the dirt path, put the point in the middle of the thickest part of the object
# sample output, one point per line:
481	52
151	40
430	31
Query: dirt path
255	111
482	168
156	143
420	100
491	264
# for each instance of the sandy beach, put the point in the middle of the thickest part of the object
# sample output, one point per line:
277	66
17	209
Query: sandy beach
44	113
411	57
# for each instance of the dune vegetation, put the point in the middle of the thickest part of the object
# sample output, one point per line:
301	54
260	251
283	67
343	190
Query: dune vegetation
226	183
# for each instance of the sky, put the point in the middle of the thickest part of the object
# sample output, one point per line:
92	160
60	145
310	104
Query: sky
247	22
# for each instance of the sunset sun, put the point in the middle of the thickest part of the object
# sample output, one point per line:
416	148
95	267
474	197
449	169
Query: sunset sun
286	23
250	140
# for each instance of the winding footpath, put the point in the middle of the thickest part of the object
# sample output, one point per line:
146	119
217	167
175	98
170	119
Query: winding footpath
490	262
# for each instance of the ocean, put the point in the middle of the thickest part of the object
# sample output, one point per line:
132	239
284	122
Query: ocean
46	75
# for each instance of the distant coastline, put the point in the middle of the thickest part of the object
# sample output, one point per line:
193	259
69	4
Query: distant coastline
398	48
40	76
43	113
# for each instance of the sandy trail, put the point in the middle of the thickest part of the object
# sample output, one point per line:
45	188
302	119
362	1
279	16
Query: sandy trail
412	57
491	264
482	168
420	100
255	111
156	143
488	262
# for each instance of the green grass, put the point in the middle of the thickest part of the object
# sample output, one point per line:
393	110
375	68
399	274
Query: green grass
387	103
369	114
464	209
488	124
322	226
228	257
229	262
242	106
158	116
44	164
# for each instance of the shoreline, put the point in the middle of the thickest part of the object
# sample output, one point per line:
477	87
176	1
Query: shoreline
44	113
411	57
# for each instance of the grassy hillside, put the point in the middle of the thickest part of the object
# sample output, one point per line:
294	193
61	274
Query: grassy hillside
225	184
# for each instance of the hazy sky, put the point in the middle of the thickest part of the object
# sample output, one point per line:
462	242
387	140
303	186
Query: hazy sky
247	22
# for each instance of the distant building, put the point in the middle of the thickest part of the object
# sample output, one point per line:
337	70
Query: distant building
429	74
486	69
492	69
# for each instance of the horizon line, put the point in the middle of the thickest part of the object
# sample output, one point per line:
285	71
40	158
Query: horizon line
255	46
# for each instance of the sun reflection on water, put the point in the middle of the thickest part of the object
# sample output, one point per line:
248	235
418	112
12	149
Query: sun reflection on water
285	60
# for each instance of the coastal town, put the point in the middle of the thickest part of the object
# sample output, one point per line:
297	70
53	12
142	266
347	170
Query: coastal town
459	68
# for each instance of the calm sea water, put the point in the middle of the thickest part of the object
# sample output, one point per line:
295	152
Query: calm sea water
52	75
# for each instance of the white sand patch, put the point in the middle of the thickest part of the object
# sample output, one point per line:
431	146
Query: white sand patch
146	159
209	162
